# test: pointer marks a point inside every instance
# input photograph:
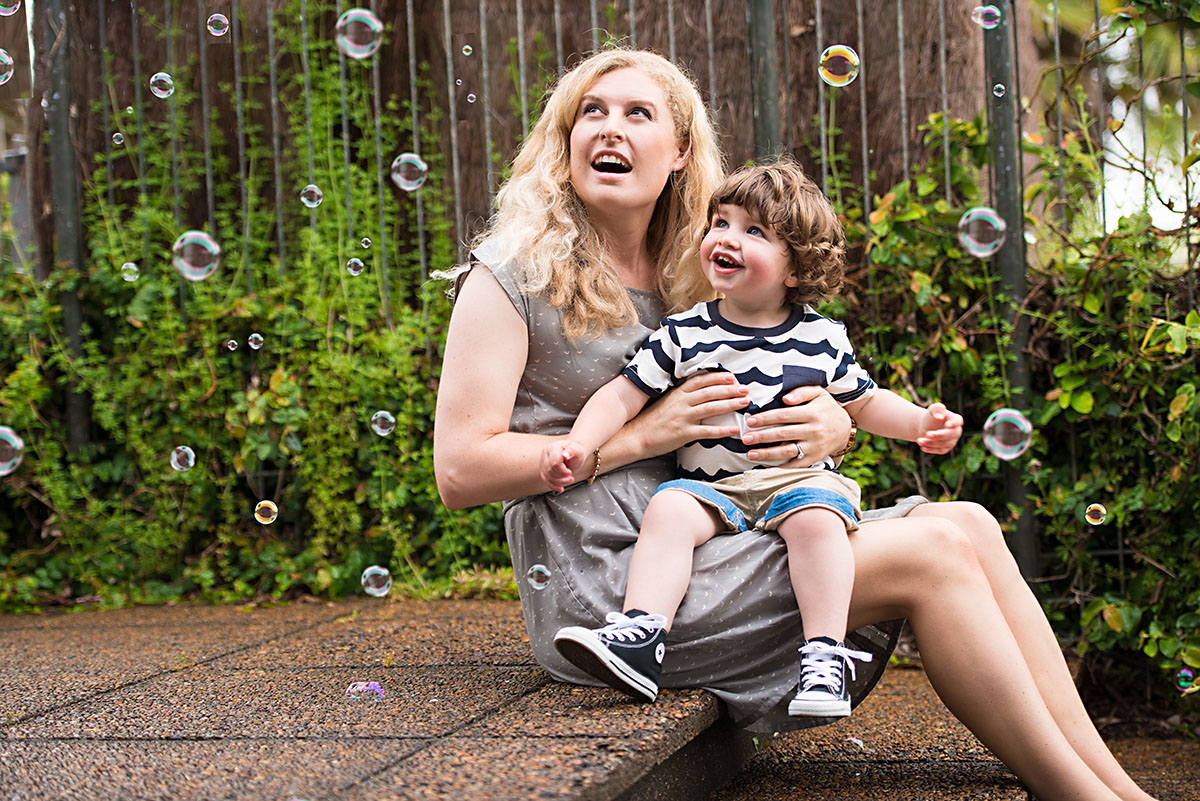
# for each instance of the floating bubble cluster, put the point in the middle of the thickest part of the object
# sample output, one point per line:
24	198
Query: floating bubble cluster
1095	514
538	577
376	581
383	423
183	458
839	65
355	266
1006	433
311	196
255	341
218	25
364	689
162	85
981	231
12	450
266	512
409	171
9	7
358	33
196	255
129	271
7	67
986	17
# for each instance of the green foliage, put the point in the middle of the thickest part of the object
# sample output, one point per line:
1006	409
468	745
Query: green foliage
113	523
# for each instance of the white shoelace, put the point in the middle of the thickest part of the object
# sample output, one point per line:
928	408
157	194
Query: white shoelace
621	626
820	664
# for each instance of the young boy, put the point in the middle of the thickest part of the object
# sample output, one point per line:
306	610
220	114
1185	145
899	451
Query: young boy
773	247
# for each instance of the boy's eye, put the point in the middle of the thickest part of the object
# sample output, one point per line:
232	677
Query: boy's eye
719	223
754	230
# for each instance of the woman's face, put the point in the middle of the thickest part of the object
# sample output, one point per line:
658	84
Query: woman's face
623	144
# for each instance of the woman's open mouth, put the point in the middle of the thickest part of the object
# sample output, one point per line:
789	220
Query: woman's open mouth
612	163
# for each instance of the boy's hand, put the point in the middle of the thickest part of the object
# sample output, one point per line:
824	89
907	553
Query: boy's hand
558	463
940	429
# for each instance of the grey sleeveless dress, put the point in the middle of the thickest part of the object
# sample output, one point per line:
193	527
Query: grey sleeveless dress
738	629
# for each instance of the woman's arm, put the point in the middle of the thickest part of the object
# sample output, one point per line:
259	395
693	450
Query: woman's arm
476	459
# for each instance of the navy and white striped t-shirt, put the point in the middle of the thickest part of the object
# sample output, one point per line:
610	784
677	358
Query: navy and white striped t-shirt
806	350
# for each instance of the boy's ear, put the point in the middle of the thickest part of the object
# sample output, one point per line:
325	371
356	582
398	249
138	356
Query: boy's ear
792	279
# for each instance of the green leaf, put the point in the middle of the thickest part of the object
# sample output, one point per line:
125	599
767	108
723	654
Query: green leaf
1191	656
1091	303
1082	402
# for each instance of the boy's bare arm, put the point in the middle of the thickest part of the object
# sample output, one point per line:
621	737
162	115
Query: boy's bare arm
612	406
885	413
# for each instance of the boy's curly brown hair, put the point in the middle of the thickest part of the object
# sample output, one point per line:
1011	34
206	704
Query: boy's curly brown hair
780	195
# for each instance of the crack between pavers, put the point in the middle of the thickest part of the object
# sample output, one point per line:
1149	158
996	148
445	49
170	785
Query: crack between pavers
158	674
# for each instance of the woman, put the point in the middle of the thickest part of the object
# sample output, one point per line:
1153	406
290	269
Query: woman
594	240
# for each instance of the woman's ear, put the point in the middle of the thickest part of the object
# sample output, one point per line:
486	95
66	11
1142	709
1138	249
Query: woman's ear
685	155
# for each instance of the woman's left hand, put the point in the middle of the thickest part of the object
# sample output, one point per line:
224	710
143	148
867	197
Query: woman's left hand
814	421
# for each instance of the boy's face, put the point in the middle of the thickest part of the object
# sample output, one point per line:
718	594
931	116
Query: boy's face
746	261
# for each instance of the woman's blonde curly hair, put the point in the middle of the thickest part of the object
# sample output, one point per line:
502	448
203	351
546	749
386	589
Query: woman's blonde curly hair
542	227
780	195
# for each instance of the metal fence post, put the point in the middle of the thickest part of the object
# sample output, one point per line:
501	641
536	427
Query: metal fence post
64	184
1004	144
764	76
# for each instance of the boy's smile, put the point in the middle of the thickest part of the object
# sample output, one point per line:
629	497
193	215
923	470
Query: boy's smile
747	262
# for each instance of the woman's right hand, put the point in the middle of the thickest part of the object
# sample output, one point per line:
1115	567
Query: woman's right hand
674	420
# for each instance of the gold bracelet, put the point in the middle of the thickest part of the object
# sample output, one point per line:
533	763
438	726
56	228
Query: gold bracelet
596	469
850	443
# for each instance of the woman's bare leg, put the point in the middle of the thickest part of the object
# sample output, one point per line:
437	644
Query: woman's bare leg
927	570
674	525
1036	639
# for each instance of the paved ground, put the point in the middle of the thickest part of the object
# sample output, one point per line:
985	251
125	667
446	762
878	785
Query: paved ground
196	702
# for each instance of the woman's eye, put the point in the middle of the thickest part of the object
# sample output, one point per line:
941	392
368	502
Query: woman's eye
590	107
640	110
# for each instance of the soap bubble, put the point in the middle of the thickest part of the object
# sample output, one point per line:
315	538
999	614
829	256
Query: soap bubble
355	266
366	242
470	97
383	423
129	110
1035	466
1095	514
218	25
9	7
230	345
981	231
266	512
1185	678
196	255
458	81
986	17
838	65
1007	433
311	196
364	689
409	171
129	271
255	341
998	90
162	85
118	138
467	50
376	581
12	449
7	67
359	33
183	458
538	577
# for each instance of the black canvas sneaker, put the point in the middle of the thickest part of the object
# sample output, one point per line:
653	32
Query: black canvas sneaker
626	654
823	691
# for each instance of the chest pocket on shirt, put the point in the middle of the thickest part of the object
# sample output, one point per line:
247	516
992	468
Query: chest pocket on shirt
799	376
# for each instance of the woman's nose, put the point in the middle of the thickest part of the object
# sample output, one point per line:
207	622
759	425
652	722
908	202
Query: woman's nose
611	131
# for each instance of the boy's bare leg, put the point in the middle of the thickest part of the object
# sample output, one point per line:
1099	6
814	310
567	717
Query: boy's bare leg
821	565
674	525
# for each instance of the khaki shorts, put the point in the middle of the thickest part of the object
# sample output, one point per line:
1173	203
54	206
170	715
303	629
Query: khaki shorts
763	498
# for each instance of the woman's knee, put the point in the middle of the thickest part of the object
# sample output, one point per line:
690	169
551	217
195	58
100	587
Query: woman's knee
980	526
946	551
